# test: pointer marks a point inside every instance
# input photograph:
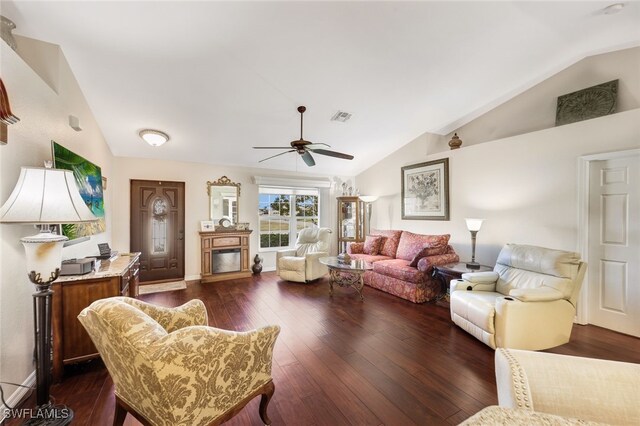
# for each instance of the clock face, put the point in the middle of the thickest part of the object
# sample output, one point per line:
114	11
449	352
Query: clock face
225	223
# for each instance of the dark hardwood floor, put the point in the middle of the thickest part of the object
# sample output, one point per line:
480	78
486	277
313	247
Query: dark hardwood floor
340	361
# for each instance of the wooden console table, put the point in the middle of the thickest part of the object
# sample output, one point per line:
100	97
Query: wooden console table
73	293
224	242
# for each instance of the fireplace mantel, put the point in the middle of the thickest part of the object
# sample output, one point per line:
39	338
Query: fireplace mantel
211	242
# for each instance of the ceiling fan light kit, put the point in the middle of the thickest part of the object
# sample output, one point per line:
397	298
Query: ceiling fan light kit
305	148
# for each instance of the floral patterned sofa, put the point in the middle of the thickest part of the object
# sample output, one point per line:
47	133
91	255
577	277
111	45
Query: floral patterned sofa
403	262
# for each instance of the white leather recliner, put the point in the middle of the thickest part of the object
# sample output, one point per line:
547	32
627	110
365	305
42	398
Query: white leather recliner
527	302
301	264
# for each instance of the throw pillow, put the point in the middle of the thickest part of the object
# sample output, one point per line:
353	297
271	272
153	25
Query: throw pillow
428	250
372	244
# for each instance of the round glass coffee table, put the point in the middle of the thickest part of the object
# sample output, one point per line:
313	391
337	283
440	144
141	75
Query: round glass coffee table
346	274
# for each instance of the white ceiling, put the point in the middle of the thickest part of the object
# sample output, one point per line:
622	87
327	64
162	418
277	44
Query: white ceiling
221	77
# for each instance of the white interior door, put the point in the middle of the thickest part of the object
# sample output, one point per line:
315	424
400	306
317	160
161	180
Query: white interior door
614	244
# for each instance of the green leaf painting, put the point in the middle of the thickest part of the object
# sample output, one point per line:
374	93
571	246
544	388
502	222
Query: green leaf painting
89	181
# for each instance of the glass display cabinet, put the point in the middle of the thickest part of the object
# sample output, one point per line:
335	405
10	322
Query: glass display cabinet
351	220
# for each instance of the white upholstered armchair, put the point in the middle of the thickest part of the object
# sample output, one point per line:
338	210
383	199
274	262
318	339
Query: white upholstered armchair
301	263
527	302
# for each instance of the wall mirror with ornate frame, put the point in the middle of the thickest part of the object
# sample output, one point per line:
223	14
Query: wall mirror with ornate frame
223	200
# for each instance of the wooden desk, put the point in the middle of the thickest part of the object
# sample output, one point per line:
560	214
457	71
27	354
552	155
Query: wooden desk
73	293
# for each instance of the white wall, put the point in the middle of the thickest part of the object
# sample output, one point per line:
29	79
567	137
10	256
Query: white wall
195	176
535	108
525	187
43	116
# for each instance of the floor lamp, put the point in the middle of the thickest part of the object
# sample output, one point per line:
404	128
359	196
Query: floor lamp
368	199
44	196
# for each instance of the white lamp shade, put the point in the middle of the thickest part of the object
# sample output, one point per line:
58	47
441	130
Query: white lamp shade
368	198
45	196
474	224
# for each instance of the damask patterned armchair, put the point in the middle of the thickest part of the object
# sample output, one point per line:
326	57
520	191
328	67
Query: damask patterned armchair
170	368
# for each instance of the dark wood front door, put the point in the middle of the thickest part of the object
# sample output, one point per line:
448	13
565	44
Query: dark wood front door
157	228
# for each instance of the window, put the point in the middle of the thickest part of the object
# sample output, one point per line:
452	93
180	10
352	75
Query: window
282	212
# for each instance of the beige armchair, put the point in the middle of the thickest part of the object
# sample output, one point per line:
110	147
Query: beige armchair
170	368
582	388
301	264
527	302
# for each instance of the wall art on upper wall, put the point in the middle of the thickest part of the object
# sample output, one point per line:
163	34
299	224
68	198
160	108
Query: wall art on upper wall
425	190
89	180
588	103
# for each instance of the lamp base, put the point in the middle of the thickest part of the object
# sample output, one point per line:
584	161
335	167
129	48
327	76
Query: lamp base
50	415
473	265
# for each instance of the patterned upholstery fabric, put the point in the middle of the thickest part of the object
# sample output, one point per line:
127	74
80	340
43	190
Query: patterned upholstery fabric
426	251
400	269
369	258
169	366
355	248
411	244
416	293
390	243
372	244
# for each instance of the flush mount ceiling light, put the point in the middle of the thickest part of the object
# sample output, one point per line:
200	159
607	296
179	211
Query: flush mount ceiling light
154	137
614	8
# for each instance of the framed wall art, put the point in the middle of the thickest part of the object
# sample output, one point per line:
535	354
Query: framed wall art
585	104
425	191
89	179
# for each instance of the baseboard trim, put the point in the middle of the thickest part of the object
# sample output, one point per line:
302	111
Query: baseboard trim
17	396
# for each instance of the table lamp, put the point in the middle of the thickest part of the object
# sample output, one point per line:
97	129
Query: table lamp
473	225
45	196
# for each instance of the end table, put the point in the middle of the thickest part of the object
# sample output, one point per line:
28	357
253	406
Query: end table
453	271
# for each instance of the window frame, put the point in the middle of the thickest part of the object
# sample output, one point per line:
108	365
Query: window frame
293	218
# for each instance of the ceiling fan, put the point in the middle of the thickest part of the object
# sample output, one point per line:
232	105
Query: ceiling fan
305	148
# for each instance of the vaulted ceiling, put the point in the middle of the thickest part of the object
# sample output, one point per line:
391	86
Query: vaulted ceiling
221	77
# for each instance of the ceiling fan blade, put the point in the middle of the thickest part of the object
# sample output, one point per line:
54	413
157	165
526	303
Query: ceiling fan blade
277	155
271	147
308	158
333	154
317	145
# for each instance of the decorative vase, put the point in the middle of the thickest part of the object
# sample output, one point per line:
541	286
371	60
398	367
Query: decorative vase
455	142
257	265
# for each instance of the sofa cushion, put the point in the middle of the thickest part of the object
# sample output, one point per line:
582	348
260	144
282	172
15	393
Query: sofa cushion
410	244
372	244
426	251
400	269
389	244
369	258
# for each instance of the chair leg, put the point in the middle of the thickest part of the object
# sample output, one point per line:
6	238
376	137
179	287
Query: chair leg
264	402
120	414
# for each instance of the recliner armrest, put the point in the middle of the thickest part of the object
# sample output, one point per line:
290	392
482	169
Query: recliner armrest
316	255
462	285
282	253
488	277
540	294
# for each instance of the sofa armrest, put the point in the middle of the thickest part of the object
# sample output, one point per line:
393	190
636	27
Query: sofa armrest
540	294
568	386
427	263
355	248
